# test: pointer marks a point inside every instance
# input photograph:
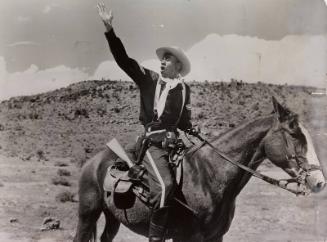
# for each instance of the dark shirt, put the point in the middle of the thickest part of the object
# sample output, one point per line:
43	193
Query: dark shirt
147	80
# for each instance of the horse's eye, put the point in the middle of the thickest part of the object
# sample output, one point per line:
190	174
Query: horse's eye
293	124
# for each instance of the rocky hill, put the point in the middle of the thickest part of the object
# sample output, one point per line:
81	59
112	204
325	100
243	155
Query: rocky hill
78	120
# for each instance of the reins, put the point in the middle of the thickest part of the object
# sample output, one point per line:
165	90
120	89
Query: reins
282	183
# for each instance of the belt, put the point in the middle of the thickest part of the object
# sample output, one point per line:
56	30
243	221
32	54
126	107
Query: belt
149	131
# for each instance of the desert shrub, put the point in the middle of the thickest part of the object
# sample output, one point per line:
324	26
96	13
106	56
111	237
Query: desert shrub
27	157
100	94
116	110
199	104
81	112
101	112
200	115
88	150
33	116
241	102
255	106
50	224
106	96
21	116
59	180
63	172
65	196
40	155
15	105
83	93
61	164
116	96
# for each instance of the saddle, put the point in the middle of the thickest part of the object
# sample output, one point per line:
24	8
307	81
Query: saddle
123	185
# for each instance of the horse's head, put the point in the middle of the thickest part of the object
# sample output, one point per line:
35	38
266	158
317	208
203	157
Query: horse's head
289	146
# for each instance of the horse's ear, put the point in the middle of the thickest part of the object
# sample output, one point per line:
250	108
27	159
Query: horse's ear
281	111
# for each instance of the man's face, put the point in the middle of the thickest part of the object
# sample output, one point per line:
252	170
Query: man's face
170	66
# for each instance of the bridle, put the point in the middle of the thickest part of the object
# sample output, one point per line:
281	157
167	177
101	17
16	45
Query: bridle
301	161
282	183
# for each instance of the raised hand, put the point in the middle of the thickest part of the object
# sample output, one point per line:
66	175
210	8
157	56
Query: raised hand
105	16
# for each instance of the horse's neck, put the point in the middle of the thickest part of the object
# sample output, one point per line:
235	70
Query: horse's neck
243	145
239	144
243	139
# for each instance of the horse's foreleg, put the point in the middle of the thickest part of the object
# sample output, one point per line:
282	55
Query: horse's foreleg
90	206
87	222
111	227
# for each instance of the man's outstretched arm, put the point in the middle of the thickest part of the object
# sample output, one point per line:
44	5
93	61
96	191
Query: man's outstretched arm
127	64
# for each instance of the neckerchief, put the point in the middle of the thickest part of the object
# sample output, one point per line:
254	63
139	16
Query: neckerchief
160	100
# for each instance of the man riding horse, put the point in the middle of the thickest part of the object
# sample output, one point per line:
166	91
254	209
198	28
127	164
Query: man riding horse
165	106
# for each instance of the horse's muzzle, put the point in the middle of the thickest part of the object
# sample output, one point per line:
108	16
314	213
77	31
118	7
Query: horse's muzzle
316	181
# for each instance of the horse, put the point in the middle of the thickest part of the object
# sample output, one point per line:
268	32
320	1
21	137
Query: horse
210	182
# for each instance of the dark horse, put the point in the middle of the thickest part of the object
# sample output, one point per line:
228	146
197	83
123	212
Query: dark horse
211	184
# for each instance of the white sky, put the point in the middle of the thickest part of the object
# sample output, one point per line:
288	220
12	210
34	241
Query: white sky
45	44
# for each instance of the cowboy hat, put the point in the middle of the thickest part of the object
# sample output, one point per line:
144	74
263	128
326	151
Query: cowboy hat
179	54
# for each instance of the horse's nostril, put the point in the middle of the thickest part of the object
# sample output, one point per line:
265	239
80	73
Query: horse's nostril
321	185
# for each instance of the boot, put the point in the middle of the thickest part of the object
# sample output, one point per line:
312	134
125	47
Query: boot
158	225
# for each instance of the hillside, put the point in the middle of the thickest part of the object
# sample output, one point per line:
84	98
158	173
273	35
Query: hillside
45	138
78	120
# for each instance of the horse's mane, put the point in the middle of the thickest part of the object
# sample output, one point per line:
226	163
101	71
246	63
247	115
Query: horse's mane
258	122
245	134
